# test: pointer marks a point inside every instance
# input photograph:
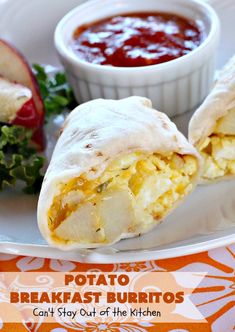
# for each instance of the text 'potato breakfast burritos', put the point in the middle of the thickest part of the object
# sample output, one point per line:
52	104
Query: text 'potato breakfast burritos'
212	127
119	167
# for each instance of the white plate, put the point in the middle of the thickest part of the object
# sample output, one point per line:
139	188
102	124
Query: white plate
205	221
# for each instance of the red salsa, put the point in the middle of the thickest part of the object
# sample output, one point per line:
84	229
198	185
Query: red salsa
135	40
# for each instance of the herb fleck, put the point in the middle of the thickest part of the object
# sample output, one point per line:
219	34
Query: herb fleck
102	187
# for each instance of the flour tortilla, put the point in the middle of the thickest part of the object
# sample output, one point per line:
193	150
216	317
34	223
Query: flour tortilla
216	105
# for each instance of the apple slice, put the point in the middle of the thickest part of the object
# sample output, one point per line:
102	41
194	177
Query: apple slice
17	107
15	68
13	97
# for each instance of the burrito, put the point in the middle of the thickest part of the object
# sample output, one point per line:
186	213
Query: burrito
119	167
212	128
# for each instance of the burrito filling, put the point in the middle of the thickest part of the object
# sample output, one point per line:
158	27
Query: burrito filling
133	193
218	149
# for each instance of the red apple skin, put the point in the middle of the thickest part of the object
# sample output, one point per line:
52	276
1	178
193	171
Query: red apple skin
15	68
27	116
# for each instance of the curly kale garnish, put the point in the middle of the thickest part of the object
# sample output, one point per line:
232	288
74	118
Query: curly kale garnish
19	160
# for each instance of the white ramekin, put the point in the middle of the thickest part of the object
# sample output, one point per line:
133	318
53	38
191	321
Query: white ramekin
174	87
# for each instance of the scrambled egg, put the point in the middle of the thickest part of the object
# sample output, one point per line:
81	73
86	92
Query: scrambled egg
218	150
133	193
